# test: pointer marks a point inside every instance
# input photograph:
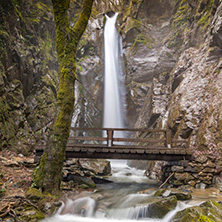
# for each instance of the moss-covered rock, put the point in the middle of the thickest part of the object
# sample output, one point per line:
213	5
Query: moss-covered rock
161	207
45	202
208	211
159	192
182	195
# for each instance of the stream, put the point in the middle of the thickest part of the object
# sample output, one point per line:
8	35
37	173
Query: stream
117	201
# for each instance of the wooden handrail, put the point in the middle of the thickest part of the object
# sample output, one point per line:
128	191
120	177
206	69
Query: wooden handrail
111	139
117	139
86	138
119	129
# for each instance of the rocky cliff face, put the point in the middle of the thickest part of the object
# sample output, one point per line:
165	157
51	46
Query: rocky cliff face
188	100
195	103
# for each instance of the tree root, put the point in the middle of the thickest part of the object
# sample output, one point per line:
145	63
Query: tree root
5	210
14	201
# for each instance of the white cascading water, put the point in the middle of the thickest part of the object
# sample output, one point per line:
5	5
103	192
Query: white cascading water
113	113
117	202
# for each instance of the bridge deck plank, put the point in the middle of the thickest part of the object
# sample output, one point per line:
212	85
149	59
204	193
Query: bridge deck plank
127	149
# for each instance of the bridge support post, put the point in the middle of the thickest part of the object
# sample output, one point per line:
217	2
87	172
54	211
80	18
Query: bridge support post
109	137
168	139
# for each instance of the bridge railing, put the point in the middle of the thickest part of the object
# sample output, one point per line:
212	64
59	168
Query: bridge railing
141	137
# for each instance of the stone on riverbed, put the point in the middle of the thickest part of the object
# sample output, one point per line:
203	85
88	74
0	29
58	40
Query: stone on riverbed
85	173
81	181
158	207
181	195
99	167
161	207
101	180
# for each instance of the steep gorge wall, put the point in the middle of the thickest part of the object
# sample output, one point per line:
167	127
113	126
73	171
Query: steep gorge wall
28	76
188	101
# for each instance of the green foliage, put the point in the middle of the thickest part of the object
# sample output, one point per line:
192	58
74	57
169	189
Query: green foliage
181	21
188	14
3	189
182	16
142	39
204	219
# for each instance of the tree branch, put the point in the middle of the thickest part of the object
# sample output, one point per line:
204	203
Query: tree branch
82	21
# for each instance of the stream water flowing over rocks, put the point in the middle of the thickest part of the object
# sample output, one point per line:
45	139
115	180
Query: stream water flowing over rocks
130	197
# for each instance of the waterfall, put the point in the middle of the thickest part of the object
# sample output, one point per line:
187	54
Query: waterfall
113	113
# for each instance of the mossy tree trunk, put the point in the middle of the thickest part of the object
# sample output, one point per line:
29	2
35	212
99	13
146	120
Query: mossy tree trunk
49	173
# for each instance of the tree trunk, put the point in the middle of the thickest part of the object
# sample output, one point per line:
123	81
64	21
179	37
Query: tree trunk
48	174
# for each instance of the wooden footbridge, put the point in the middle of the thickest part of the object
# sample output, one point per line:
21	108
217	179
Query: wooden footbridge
142	144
